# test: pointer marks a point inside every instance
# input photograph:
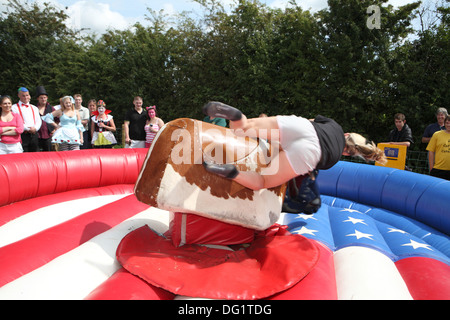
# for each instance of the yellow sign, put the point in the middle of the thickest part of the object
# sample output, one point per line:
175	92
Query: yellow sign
395	154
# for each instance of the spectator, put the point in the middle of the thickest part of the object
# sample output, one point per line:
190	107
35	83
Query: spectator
84	115
31	120
92	106
11	127
441	113
216	120
439	152
135	120
46	130
102	127
401	134
69	135
152	126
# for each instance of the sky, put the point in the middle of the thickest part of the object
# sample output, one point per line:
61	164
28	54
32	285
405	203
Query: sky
98	16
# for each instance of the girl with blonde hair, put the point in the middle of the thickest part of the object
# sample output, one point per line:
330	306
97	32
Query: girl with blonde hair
305	145
69	132
358	146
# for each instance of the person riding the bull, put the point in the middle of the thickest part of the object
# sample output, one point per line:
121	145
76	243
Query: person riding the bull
306	146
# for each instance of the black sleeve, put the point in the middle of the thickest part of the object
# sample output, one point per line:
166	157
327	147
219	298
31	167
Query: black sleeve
331	139
408	135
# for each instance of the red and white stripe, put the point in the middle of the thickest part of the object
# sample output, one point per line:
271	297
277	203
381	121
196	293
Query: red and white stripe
71	258
62	218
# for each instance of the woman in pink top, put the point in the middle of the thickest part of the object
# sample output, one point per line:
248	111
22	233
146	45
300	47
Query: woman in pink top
152	126
11	126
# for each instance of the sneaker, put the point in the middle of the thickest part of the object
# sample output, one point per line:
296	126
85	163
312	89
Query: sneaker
220	110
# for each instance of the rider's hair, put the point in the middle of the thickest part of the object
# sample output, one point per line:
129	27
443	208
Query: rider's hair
357	145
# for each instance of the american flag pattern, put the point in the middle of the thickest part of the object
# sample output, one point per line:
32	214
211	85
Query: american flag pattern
374	259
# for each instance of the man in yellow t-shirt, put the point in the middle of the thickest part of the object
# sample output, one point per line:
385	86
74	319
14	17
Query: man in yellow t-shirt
439	148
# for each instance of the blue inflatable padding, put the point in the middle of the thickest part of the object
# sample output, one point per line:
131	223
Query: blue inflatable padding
420	197
437	239
405	245
402	190
399	213
316	226
394	235
353	228
429	235
433	207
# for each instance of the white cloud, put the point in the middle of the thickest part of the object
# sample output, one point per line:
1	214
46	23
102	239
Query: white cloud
316	5
169	9
96	17
313	5
89	15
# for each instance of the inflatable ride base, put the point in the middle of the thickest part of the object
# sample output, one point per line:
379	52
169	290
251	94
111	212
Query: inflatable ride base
263	268
382	233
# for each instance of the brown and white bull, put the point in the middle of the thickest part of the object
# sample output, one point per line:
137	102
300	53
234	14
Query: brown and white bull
173	177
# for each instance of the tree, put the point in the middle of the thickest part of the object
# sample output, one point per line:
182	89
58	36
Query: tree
296	62
421	75
30	41
356	73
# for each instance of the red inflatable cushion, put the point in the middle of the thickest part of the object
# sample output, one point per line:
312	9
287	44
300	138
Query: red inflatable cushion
269	265
122	285
190	228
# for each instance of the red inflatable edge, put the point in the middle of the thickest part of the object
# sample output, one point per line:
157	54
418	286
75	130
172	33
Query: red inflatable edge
48	173
23	256
18	209
123	285
419	274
